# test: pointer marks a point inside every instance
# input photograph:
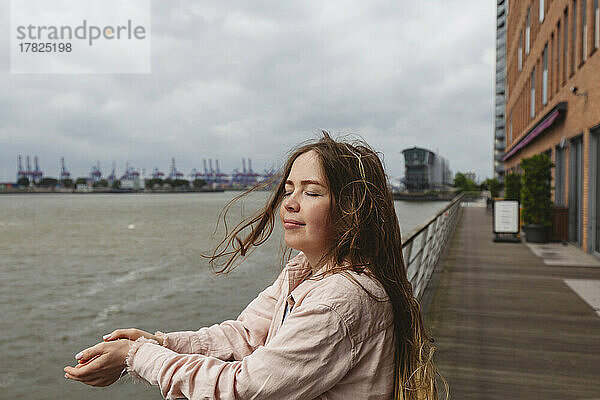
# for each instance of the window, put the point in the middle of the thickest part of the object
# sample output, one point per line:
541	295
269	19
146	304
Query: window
557	52
551	66
510	129
520	52
596	25
506	7
583	30
532	99
541	10
527	33
545	76
565	45
573	34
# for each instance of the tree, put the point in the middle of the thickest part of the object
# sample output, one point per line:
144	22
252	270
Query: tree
68	182
81	181
464	184
23	181
116	184
48	182
199	183
150	183
101	183
181	183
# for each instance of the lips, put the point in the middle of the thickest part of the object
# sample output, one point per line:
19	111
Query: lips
292	223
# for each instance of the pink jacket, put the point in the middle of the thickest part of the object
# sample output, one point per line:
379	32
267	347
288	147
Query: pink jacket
335	342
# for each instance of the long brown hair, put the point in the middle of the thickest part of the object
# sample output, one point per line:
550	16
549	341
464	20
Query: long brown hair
367	239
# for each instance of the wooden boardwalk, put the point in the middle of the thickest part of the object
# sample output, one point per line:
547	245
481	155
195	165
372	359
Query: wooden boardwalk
507	326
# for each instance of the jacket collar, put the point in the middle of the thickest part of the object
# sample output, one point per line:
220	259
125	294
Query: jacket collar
298	269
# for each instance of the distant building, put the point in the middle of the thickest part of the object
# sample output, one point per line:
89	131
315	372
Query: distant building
500	99
425	170
553	103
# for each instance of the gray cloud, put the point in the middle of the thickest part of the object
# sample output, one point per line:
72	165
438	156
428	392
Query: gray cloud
251	79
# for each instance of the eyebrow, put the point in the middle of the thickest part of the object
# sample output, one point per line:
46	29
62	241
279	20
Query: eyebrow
305	182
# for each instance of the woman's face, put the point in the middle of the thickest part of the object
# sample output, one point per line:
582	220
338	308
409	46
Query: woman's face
305	208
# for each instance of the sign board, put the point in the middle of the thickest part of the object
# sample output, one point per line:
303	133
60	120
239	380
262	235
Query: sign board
506	216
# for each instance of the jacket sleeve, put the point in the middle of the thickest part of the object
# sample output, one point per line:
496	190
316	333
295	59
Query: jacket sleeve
234	339
311	353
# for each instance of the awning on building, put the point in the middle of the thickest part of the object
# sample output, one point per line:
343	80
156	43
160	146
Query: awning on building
546	122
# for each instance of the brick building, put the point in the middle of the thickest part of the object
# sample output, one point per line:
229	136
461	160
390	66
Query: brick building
553	103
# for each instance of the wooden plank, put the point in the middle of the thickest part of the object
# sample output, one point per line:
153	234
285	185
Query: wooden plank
507	326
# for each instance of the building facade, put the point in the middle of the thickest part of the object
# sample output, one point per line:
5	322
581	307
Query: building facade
500	101
425	170
553	103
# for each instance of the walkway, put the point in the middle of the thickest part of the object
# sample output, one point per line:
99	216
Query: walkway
507	326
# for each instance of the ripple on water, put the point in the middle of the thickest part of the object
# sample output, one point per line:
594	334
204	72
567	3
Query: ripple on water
103	316
7	379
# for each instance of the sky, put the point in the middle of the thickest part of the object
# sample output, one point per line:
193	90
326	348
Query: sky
239	79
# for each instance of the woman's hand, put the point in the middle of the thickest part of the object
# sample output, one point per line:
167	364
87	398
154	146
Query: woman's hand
131	334
100	365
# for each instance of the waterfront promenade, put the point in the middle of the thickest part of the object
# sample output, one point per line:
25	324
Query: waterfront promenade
506	325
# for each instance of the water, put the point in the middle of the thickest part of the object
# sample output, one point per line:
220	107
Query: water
75	267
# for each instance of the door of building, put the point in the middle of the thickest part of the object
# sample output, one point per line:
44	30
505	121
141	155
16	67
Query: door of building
575	190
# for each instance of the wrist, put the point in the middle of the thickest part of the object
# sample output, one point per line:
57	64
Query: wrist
159	337
125	348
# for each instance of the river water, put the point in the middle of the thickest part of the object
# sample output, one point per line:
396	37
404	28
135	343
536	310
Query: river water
75	267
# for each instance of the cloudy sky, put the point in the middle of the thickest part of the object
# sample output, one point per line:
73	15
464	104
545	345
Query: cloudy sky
251	79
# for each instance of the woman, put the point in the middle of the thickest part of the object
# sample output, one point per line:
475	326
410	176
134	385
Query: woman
339	322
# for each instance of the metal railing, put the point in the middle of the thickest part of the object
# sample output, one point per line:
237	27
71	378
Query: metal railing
423	247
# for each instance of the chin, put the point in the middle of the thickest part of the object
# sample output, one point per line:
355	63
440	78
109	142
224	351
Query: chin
293	244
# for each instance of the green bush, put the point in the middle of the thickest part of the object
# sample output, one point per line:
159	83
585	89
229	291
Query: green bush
536	189
493	185
512	183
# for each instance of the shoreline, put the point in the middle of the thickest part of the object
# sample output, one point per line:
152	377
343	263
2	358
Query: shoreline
79	192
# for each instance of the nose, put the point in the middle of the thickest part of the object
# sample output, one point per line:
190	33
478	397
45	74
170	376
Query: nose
291	203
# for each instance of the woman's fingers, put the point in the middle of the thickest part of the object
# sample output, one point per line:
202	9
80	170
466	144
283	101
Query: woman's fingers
105	368
117	334
131	334
86	355
86	367
92	370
